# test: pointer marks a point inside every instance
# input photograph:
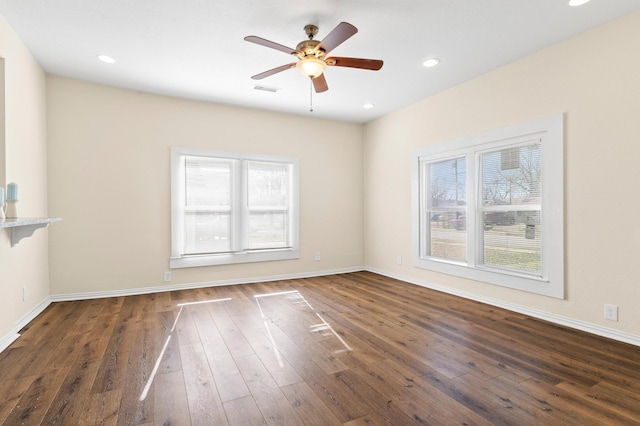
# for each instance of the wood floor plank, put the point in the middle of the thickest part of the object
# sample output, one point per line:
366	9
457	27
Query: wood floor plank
34	402
273	405
265	347
309	407
601	402
170	361
39	357
170	400
205	406
136	407
233	338
102	409
334	395
10	393
65	408
243	412
300	323
610	397
111	374
228	379
409	391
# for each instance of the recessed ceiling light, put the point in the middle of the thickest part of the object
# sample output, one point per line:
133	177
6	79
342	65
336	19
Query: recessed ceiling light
577	2
431	62
367	106
106	59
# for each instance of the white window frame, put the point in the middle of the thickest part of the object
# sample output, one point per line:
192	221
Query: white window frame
550	132
240	212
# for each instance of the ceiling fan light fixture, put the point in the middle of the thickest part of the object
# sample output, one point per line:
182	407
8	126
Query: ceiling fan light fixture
311	67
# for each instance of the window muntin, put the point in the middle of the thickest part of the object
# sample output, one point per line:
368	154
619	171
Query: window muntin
513	218
232	208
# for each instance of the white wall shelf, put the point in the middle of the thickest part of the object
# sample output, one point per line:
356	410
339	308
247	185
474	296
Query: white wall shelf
25	227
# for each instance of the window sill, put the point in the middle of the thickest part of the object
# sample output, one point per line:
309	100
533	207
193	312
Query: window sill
229	259
529	283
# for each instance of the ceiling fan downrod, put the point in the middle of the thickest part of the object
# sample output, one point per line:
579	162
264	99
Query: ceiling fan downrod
311	31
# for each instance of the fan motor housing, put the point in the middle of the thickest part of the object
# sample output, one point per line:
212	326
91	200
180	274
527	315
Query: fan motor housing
309	48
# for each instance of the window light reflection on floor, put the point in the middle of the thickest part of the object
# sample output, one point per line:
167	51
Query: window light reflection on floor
145	391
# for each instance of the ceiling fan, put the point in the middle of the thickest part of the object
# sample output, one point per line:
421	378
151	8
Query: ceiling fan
311	54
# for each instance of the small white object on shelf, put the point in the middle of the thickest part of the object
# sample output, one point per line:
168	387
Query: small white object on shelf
12	201
12	209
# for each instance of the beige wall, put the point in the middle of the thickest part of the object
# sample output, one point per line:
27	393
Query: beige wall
594	80
109	177
26	264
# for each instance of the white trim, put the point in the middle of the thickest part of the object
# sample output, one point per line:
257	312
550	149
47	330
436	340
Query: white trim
231	258
7	340
621	336
26	319
174	287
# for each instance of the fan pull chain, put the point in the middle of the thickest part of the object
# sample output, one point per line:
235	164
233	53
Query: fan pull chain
310	95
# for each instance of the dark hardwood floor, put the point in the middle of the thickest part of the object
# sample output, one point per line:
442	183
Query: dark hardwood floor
348	349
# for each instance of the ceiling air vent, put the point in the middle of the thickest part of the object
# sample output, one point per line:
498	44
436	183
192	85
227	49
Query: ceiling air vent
267	88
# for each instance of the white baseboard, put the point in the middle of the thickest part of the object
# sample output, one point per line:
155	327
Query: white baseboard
173	287
556	319
7	340
26	319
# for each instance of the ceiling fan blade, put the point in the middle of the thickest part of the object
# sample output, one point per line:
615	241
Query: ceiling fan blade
320	84
365	64
267	43
337	36
274	71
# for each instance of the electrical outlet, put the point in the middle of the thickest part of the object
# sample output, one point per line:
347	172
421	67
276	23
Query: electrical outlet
167	277
24	294
399	260
611	312
317	256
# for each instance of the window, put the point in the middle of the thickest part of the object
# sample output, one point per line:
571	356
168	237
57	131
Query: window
232	208
490	207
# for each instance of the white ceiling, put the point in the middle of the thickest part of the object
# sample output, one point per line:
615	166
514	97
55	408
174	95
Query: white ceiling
195	49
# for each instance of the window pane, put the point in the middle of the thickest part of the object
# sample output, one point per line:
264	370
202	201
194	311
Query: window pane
268	184
207	182
207	232
512	176
446	191
512	240
268	230
448	236
268	199
447	183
